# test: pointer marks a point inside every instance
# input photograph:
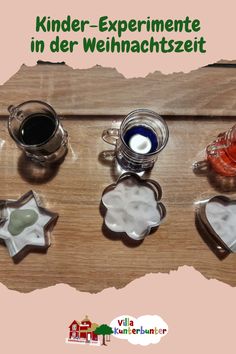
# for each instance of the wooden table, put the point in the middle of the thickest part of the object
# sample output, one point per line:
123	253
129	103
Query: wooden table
81	255
208	91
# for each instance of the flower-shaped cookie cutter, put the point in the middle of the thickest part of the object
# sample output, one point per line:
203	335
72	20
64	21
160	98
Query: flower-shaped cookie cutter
133	206
35	236
221	245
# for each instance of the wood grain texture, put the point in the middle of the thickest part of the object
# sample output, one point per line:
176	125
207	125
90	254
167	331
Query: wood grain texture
80	254
207	91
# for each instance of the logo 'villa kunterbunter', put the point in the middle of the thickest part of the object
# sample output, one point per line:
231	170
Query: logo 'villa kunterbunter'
144	330
126	326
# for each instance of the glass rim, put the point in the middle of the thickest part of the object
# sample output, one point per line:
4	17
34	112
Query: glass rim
151	114
57	121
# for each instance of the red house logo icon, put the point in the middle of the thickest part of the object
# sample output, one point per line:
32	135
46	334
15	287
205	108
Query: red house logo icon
83	331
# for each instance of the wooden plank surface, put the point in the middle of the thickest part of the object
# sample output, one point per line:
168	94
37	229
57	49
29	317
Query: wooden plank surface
207	91
81	255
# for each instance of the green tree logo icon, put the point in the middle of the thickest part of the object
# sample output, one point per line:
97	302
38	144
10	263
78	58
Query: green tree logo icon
103	330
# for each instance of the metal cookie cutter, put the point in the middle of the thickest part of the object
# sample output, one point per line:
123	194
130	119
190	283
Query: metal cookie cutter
215	221
25	225
133	206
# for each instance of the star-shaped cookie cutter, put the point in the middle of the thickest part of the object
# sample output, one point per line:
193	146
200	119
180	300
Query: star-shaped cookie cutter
34	237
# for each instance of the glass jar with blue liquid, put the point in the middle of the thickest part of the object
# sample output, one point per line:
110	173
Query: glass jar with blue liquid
142	135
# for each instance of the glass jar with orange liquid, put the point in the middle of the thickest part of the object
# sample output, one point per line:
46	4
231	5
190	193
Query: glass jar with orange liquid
221	153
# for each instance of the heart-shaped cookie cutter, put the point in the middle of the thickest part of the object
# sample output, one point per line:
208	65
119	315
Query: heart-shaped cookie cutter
219	245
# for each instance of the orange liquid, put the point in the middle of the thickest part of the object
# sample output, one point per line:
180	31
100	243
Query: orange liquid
222	159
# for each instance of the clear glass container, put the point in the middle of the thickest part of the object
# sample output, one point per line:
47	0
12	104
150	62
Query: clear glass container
142	135
36	129
221	153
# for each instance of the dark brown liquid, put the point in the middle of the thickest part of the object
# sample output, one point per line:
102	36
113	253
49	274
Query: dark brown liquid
36	129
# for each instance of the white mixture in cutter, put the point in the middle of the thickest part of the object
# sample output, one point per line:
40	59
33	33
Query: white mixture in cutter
222	219
32	235
131	208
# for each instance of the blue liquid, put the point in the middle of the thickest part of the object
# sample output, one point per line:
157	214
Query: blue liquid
144	131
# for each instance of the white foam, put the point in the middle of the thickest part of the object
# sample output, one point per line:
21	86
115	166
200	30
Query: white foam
131	208
222	219
140	144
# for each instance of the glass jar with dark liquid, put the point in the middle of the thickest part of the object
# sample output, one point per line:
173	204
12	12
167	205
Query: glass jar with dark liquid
37	130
